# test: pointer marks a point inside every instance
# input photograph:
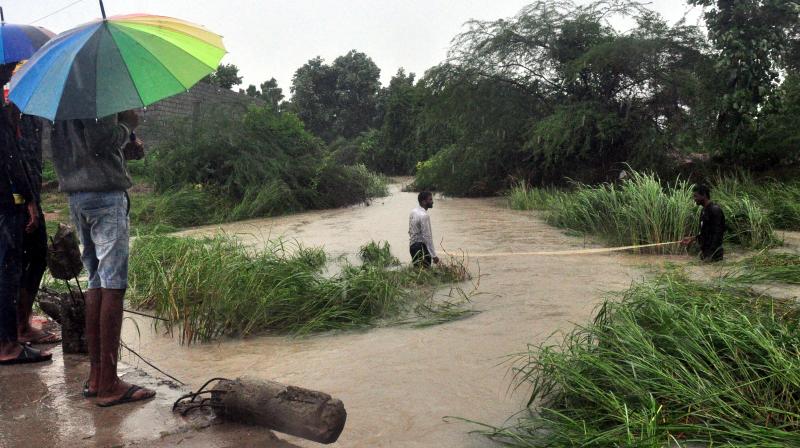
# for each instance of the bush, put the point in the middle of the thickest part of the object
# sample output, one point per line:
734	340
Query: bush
260	164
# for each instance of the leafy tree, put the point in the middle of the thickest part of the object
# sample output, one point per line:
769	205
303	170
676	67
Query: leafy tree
272	94
357	86
557	93
339	99
314	97
226	76
755	40
269	92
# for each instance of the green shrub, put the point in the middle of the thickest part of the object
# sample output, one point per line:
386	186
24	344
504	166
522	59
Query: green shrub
260	164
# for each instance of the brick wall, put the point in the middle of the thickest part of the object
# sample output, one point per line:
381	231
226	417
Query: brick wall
186	106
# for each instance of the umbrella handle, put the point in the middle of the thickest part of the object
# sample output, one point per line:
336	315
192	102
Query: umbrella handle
103	9
2	16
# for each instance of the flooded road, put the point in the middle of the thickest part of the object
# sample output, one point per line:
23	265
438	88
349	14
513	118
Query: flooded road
399	383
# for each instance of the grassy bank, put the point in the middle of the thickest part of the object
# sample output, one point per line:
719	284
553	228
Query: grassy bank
673	363
644	210
210	288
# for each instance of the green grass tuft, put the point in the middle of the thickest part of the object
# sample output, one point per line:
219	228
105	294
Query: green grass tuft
673	363
215	287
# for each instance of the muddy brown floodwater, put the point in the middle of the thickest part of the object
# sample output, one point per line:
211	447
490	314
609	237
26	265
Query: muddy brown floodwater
399	383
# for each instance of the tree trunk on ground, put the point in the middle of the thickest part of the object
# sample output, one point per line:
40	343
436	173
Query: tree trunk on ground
291	410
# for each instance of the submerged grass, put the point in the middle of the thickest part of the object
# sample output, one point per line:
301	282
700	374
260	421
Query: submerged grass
642	210
767	267
673	363
215	287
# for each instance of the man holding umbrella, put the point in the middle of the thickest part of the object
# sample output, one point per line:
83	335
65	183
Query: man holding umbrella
82	79
89	161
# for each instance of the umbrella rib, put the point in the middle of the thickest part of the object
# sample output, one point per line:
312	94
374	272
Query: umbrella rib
125	63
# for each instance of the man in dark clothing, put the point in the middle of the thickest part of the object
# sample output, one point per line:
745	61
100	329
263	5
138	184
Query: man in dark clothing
34	244
712	226
18	213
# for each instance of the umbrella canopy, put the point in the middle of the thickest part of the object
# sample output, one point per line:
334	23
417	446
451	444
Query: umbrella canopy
115	64
19	42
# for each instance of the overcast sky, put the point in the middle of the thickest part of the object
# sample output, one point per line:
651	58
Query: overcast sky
272	38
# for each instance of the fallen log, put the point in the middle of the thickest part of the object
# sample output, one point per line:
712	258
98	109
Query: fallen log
291	410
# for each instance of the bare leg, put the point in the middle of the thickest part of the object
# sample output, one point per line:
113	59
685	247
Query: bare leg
93	302
25	331
9	350
110	386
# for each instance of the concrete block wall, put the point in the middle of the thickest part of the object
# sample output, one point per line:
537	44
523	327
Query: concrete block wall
186	106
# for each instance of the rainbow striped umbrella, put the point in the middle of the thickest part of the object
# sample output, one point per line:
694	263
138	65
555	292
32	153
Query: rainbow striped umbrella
19	42
115	64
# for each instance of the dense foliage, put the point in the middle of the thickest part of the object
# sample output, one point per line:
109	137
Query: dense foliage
229	166
557	93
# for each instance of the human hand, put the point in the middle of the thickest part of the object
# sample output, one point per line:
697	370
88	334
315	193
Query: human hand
33	218
130	118
687	241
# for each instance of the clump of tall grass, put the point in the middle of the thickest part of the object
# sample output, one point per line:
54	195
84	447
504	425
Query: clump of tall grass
524	197
643	210
215	287
767	267
779	200
378	253
674	363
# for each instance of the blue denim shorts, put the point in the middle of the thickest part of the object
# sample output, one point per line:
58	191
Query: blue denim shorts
101	221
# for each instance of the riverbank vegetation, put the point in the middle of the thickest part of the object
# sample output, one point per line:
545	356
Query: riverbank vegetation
642	209
228	166
216	287
557	94
671	362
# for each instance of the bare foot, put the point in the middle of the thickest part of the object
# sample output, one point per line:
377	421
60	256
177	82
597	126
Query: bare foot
124	393
36	336
9	351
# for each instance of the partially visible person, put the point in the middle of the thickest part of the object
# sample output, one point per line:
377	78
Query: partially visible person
34	246
420	235
712	226
90	164
18	214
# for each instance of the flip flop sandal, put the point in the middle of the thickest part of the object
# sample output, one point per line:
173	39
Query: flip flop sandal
86	393
127	397
28	355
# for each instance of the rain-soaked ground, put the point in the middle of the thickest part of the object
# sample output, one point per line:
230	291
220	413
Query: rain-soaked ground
398	384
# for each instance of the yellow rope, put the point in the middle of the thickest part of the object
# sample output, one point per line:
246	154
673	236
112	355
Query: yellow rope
601	250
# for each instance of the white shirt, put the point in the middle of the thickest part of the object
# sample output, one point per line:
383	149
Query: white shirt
419	229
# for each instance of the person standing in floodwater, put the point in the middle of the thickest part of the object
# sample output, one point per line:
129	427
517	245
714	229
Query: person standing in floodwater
420	235
712	226
89	158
